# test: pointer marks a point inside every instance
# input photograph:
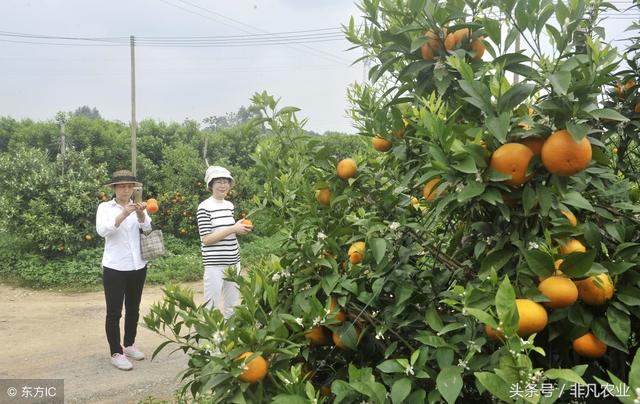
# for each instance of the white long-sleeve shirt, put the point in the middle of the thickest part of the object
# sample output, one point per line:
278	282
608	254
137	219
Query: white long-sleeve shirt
122	243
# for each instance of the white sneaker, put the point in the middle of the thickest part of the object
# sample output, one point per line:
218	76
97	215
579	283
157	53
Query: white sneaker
133	352
121	362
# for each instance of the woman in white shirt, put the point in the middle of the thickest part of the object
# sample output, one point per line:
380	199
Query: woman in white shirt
119	221
218	241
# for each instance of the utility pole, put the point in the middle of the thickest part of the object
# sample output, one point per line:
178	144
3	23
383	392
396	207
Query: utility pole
133	104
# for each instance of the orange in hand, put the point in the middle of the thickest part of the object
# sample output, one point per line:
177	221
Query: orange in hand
152	205
247	222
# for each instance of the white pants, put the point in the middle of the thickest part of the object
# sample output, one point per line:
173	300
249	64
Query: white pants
219	293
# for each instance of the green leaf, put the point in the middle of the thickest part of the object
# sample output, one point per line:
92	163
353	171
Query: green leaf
289	399
449	383
634	373
539	262
620	323
578	131
467	165
591	233
400	390
514	96
506	307
496	259
482	316
499	126
544	199
471	190
560	81
602	331
479	95
564	374
610	114
379	249
577	264
529	199
574	198
495	385
391	366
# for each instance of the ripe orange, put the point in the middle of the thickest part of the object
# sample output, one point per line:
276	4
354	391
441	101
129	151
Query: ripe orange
338	341
533	317
429	49
346	168
429	191
323	196
512	159
454	39
356	252
340	315
247	222
381	144
571	217
88	237
478	47
637	107
560	290
561	155
595	290
493	333
534	143
572	245
589	346
255	370
152	206
316	335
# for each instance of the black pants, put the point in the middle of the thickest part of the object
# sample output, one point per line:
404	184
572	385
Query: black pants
122	286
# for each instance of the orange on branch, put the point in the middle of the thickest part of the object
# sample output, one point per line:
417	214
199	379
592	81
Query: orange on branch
560	290
493	333
595	290
477	46
512	159
247	222
429	191
346	168
323	196
381	144
534	143
563	156
356	252
340	315
338	340
255	370
431	47
316	335
533	317
572	245
589	346
570	217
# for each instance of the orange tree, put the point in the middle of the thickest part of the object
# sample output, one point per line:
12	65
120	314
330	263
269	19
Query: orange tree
416	278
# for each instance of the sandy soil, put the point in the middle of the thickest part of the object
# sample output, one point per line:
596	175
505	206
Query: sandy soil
48	334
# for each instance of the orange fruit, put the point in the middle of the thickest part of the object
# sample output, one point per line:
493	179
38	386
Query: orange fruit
316	335
346	168
381	144
572	245
325	391
570	216
637	107
589	346
595	290
255	370
560	290
340	315
512	159
619	90
561	155
323	196
88	237
356	252
429	49
493	333
338	341
152	205
429	191
478	47
533	317
247	222
454	39
615	150
629	85
534	143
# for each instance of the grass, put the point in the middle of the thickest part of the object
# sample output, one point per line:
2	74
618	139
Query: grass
82	272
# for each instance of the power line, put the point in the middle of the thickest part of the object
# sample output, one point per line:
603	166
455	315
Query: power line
317	51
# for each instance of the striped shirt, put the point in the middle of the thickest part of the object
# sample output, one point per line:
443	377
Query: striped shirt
213	215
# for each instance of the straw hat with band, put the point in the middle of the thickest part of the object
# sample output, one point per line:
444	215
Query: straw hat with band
123	177
214	172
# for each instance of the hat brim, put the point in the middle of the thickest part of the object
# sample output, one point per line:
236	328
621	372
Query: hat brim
135	183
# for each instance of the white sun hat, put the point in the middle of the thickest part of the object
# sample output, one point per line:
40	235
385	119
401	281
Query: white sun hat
214	172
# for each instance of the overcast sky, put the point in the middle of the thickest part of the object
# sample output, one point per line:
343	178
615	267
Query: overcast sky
175	83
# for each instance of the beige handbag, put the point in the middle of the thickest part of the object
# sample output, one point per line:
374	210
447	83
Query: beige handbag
151	244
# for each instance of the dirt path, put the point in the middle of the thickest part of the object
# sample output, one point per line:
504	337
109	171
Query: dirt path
46	334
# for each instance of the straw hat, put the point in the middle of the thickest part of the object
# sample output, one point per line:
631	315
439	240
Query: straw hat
123	177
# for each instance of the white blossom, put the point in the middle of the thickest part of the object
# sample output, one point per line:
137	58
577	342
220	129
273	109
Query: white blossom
299	321
317	320
533	245
321	236
380	334
394	226
463	364
409	370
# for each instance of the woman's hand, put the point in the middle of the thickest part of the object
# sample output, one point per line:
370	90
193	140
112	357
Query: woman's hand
241	228
139	208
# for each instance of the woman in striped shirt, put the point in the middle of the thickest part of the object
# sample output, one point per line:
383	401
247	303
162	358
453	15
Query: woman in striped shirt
218	242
